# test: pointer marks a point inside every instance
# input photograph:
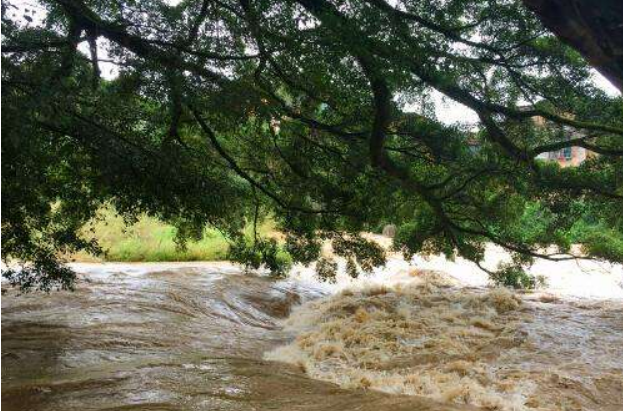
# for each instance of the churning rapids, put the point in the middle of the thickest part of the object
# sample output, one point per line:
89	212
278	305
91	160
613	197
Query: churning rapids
209	337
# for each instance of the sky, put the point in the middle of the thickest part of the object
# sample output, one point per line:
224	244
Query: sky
450	112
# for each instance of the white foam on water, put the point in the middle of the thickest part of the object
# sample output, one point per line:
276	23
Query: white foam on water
431	327
571	278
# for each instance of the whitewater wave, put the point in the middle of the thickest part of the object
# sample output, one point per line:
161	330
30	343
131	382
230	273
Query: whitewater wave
571	278
421	334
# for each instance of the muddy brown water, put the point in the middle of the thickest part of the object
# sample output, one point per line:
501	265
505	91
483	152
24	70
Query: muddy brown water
174	339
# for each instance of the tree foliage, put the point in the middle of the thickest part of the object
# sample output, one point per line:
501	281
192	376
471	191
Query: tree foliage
315	111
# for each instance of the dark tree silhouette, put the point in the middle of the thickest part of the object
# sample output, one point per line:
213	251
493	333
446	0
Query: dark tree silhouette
317	113
594	28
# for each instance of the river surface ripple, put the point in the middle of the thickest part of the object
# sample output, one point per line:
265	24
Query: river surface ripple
164	337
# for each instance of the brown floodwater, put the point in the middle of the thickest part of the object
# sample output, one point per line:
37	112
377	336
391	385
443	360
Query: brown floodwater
489	348
151	337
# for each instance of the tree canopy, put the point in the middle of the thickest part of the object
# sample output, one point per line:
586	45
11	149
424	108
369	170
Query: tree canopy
320	113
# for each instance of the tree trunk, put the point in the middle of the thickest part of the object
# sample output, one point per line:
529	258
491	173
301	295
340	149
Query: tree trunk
592	27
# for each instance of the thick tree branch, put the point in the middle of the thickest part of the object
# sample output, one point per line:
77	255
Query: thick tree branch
593	28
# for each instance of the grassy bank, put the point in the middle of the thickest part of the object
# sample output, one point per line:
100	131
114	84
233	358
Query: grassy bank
149	240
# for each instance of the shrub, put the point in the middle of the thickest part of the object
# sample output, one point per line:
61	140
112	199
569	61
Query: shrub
514	276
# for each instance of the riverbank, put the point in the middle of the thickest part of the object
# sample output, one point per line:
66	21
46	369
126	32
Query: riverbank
150	240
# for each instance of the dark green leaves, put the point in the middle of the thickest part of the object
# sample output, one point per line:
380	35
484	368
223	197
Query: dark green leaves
309	112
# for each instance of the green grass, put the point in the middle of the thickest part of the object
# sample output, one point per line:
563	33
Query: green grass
150	240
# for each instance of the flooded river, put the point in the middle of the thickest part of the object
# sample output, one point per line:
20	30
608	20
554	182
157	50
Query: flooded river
163	338
209	337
